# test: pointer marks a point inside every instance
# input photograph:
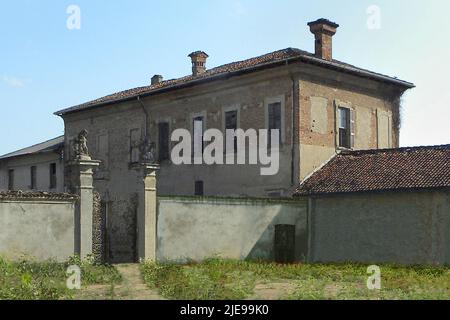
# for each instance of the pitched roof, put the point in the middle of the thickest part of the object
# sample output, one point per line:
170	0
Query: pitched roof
268	60
47	146
381	170
37	195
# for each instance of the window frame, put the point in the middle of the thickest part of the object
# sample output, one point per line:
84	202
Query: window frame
132	146
226	110
33	178
351	125
193	118
267	103
167	158
53	175
11	174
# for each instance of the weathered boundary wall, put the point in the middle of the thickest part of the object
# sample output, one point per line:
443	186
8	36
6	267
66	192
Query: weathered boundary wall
399	227
199	228
37	226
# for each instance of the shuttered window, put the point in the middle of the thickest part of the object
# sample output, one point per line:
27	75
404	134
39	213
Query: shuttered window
345	127
231	123
163	141
274	114
197	142
53	176
33	182
11	179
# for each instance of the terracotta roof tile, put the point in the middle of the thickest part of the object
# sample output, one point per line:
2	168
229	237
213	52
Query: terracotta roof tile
36	195
381	170
239	66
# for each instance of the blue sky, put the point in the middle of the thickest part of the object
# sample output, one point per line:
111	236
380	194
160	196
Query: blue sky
45	67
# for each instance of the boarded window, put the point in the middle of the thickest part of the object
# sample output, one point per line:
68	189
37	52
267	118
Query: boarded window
231	123
199	191
33	179
135	141
384	120
53	176
163	141
11	179
274	121
103	150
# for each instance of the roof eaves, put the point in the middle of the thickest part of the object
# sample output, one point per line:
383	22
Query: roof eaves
372	191
302	57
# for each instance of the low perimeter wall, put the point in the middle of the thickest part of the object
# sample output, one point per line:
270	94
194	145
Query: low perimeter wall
38	226
397	227
199	228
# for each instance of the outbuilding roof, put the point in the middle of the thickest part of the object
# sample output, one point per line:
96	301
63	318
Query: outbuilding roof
47	146
381	170
272	59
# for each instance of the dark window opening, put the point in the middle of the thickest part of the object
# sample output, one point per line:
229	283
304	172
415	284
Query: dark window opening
197	142
199	191
344	128
231	124
33	183
274	121
163	143
11	179
53	176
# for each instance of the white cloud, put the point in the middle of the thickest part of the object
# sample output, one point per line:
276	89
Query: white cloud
13	81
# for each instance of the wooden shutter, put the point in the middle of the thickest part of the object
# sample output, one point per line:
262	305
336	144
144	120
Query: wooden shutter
336	123
352	128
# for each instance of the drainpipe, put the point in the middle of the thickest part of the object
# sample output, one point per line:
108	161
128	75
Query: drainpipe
147	117
292	128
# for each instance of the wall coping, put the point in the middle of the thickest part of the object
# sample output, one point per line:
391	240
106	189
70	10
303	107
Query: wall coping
37	195
233	200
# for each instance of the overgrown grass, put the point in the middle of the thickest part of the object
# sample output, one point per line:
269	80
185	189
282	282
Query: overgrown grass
47	281
228	280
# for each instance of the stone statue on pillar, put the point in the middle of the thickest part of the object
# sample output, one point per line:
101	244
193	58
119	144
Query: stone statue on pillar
80	148
81	180
147	151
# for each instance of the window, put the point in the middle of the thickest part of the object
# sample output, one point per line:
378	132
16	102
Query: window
344	128
33	178
199	188
135	141
163	145
103	150
274	114
231	123
11	179
197	143
53	176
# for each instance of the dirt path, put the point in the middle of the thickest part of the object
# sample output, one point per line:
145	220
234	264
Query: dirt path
131	288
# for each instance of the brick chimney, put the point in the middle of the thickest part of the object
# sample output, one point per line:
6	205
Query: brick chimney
323	30
157	78
198	62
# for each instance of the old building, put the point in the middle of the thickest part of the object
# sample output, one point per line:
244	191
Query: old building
381	206
319	104
40	167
